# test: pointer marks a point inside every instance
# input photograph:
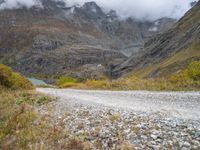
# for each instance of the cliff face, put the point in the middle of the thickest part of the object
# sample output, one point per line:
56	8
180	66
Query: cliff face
58	39
170	51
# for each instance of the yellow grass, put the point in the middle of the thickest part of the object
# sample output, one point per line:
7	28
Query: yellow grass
179	58
24	128
188	79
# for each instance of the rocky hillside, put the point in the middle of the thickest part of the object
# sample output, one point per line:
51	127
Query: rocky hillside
168	52
81	41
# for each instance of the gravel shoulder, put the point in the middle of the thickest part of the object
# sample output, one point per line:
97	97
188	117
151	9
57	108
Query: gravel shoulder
128	120
185	105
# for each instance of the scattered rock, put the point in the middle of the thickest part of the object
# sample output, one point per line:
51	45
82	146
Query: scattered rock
107	128
186	144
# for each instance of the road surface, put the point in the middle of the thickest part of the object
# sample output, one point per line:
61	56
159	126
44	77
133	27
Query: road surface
184	105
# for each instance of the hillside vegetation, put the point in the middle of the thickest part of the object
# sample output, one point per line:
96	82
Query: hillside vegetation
13	80
185	79
22	125
66	82
172	64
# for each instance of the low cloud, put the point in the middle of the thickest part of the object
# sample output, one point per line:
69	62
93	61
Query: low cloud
11	4
144	9
139	9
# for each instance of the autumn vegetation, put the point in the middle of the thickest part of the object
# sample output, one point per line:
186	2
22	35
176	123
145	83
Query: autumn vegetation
185	79
22	125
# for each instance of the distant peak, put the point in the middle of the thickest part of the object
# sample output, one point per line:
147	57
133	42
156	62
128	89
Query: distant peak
91	6
193	3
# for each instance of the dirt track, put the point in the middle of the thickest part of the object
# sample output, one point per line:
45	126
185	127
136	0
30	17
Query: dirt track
184	105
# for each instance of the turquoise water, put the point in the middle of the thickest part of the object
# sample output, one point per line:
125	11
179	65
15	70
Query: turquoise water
36	81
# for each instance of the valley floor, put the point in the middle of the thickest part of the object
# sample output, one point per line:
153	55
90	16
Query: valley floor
129	119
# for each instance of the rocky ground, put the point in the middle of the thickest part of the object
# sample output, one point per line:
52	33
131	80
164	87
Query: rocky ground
108	127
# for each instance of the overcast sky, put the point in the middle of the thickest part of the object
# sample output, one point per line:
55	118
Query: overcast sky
140	9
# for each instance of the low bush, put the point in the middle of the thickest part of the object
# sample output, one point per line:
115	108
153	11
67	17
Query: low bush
98	84
66	82
5	74
32	98
13	80
193	70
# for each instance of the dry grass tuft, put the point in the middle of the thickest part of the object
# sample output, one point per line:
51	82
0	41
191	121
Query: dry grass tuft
22	127
188	79
19	124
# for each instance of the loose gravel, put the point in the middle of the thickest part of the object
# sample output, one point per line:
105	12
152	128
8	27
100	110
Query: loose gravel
131	119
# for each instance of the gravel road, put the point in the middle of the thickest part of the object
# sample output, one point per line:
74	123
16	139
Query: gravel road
185	105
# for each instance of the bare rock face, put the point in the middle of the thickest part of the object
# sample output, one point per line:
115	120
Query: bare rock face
42	43
91	11
56	39
184	34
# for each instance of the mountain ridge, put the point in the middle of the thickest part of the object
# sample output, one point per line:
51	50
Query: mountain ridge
57	39
183	37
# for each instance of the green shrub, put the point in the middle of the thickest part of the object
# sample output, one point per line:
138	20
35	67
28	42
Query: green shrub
65	82
24	100
5	74
33	99
13	80
194	70
43	100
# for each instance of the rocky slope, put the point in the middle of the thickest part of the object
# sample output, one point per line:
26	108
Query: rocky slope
57	39
168	52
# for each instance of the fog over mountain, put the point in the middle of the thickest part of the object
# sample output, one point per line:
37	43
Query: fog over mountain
10	4
139	9
144	9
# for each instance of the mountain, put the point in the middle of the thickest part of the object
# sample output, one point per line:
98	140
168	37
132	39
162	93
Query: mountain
193	3
169	52
80	41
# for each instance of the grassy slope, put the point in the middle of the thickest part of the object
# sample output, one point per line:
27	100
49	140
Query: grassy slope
186	79
172	64
22	126
183	57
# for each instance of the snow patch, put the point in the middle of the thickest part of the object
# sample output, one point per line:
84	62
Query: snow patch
153	29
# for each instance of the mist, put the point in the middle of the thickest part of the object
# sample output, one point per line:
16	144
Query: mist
143	9
138	9
14	4
10	4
